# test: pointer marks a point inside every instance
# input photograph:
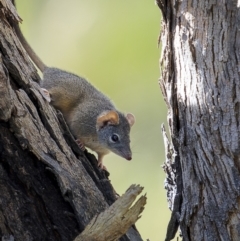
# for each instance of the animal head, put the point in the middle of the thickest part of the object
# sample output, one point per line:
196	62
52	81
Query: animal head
113	130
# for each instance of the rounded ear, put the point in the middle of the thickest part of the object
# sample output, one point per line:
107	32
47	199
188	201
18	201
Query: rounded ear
131	119
107	118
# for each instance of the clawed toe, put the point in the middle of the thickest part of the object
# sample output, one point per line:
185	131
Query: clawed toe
81	145
101	166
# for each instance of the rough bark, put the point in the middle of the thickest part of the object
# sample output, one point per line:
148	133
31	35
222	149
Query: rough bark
50	189
200	83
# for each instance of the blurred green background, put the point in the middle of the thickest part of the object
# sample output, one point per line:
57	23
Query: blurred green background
114	45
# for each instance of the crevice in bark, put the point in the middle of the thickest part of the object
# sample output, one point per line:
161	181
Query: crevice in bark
18	178
169	90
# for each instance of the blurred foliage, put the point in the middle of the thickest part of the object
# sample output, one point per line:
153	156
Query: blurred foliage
114	45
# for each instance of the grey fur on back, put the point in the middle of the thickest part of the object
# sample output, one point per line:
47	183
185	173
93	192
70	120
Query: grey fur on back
81	89
84	103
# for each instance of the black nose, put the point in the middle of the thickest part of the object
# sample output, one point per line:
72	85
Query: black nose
129	158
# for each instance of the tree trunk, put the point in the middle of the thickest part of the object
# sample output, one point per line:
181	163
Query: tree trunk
200	82
50	189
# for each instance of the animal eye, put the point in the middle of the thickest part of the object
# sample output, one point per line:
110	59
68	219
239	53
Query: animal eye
114	138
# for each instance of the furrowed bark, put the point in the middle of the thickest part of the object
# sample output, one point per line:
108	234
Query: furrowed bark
200	83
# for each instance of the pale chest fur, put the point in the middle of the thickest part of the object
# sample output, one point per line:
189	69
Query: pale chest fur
94	144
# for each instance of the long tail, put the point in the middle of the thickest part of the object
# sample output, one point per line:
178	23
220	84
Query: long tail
29	49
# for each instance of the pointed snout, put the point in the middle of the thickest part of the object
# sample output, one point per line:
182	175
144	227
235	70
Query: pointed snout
129	158
126	154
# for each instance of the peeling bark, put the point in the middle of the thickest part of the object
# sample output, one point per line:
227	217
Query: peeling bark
50	189
200	83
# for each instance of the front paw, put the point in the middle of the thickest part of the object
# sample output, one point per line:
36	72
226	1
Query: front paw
80	144
101	166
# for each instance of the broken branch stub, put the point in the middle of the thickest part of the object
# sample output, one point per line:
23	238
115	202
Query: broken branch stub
117	219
